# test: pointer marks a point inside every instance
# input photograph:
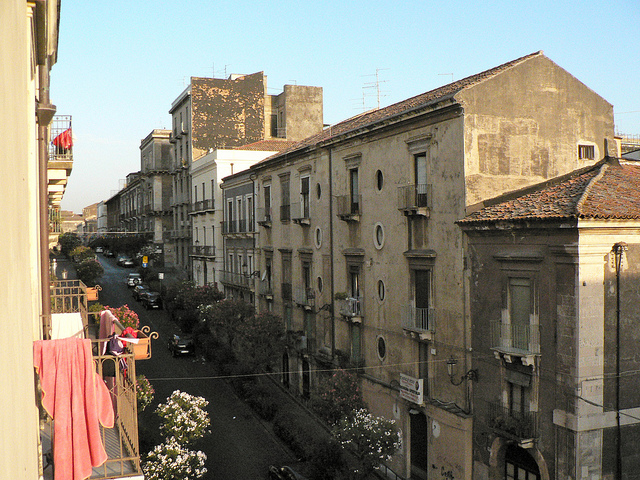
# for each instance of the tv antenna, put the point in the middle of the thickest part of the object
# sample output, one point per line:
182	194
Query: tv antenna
375	85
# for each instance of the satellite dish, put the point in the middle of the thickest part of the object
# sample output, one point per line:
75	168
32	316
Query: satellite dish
264	275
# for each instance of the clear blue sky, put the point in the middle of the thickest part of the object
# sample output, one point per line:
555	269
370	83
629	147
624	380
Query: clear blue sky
122	63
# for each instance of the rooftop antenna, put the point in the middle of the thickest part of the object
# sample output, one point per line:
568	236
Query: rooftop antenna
447	74
376	85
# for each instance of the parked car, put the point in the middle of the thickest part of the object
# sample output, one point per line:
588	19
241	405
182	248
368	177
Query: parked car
151	300
181	345
125	261
284	473
134	279
108	253
139	291
99	250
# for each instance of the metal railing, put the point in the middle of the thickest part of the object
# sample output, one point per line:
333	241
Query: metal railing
349	206
67	296
418	319
299	211
263	216
516	425
304	296
515	337
235	279
350	307
414	196
265	288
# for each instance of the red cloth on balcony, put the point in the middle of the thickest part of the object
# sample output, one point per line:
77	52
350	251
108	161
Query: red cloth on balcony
78	401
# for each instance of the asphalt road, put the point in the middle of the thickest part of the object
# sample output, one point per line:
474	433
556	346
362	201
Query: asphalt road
240	446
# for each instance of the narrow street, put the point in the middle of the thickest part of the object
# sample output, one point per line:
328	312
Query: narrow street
239	447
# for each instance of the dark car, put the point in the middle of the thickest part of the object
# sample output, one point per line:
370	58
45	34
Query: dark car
284	473
151	300
181	345
125	261
134	279
139	291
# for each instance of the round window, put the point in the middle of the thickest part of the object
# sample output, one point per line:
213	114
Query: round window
379	180
319	284
381	292
318	237
318	190
382	348
378	235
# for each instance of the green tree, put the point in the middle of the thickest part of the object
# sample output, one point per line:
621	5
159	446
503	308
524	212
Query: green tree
224	318
82	253
259	341
68	241
338	396
373	439
89	271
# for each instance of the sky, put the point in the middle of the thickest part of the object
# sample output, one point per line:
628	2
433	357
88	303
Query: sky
122	63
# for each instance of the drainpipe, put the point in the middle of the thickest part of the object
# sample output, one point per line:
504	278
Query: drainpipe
618	250
333	317
44	113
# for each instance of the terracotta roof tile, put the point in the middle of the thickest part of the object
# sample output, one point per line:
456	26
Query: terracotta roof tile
605	191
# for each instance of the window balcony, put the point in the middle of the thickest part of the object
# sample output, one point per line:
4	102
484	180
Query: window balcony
300	213
235	279
263	216
349	207
202	251
515	339
304	297
518	426
202	206
421	321
265	289
351	308
414	199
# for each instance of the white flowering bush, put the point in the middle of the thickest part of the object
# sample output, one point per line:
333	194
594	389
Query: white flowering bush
183	417
144	392
171	460
373	439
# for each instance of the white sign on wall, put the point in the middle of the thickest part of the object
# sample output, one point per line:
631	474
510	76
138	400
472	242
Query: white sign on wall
411	389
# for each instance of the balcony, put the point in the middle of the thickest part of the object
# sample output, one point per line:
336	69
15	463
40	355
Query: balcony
519	426
351	308
235	226
515	339
285	213
263	216
120	441
349	207
265	289
235	279
300	213
202	206
304	297
202	251
414	199
421	321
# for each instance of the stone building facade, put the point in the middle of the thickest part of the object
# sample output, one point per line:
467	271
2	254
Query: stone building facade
552	274
360	252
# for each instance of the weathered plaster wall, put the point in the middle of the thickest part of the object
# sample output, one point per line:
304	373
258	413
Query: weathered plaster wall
524	126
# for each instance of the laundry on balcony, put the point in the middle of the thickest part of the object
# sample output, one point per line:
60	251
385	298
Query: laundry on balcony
65	325
77	400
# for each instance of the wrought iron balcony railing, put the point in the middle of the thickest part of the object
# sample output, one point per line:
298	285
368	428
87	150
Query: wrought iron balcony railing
515	338
418	319
264	216
350	307
235	279
414	197
349	207
304	296
515	425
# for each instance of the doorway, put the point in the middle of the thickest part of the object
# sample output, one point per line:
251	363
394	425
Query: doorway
419	445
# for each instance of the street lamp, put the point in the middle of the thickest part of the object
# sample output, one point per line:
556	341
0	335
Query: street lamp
618	252
451	370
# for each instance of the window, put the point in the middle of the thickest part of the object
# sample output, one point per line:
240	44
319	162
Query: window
240	216
381	290
586	152
422	288
318	191
319	282
267	203
285	208
354	191
354	281
195	193
229	216
318	237
267	272
274	125
382	348
378	236
519	306
250	221
304	197
379	180
421	179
